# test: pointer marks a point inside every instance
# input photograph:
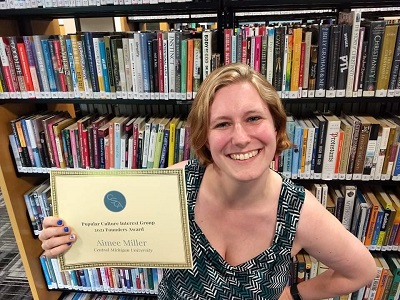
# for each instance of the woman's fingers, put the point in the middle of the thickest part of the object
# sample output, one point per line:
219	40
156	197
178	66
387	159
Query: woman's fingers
57	244
50	232
52	222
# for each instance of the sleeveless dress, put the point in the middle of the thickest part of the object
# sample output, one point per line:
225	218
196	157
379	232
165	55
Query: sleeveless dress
263	277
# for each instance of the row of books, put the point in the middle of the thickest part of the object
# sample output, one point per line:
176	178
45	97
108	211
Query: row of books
102	279
371	213
347	58
21	4
349	147
303	267
54	140
95	296
126	65
385	285
325	146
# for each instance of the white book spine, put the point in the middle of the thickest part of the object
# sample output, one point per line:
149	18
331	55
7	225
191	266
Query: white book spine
330	152
171	65
132	60
270	54
285	90
138	66
309	153
353	52
165	54
206	44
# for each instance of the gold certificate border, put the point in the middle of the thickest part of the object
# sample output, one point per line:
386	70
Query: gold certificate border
186	264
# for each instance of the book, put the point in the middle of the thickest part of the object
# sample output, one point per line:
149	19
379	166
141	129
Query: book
374	33
349	193
372	228
385	60
361	147
371	147
330	147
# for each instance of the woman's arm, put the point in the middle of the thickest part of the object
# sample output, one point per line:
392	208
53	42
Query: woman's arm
351	266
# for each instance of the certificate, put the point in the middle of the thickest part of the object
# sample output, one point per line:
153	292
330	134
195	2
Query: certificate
123	218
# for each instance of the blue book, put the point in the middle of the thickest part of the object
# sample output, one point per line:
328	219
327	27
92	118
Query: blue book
45	271
27	141
155	278
49	65
164	149
288	153
74	280
145	64
102	47
71	63
89	50
377	228
297	142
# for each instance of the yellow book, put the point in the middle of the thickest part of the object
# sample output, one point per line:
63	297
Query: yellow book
295	75
304	148
385	60
172	138
75	38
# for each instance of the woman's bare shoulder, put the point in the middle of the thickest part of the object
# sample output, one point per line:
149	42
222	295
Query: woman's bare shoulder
179	165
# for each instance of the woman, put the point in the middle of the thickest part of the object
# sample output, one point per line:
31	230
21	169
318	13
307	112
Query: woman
247	221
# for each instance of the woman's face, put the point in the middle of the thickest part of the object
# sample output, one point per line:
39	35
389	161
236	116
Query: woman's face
242	135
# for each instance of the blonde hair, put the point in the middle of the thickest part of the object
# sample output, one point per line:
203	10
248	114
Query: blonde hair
199	116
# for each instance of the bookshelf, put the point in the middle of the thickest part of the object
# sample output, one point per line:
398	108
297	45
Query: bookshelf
228	14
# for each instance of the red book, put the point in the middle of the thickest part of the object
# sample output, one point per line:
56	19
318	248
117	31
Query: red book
160	62
302	56
59	69
6	66
11	65
228	32
23	58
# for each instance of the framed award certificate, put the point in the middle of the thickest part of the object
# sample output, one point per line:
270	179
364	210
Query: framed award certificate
123	218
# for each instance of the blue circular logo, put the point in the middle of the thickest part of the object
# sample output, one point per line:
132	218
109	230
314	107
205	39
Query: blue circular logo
114	201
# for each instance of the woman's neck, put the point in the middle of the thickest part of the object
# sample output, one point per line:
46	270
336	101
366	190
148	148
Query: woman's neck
236	194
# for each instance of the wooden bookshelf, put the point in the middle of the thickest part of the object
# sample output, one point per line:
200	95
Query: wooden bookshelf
30	22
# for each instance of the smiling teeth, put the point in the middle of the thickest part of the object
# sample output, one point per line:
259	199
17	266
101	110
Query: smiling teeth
244	156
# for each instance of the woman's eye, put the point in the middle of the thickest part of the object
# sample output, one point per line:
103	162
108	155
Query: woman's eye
221	125
253	119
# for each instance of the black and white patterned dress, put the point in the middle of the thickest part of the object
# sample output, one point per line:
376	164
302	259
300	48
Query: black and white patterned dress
263	277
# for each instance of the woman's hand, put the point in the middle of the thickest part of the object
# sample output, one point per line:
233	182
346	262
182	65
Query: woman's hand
56	236
286	294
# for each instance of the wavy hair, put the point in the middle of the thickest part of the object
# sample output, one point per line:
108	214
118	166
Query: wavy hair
199	116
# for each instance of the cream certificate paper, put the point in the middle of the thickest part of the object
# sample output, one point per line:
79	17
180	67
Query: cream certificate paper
123	218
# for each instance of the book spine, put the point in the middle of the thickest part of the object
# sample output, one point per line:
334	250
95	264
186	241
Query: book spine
386	59
323	55
71	62
49	67
353	52
376	30
333	61
25	70
66	66
361	151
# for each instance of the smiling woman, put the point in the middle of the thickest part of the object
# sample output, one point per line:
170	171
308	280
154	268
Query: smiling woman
247	221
